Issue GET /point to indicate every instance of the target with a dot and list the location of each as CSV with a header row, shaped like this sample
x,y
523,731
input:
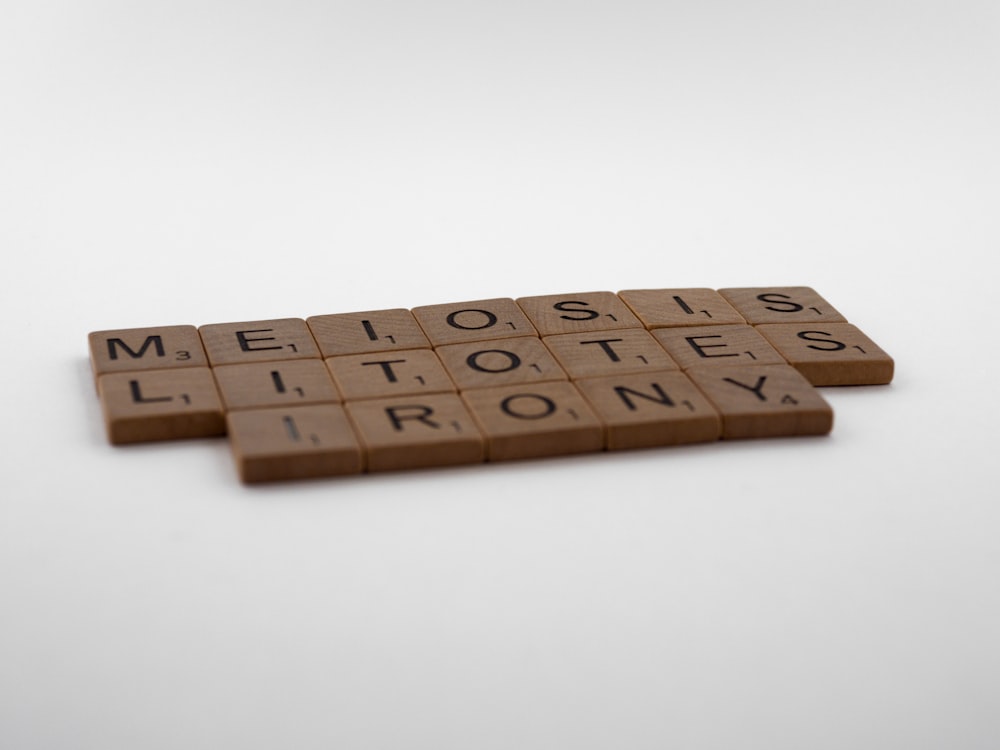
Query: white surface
x,y
199,162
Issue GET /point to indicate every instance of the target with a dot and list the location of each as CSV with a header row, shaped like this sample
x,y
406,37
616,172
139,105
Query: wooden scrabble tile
x,y
717,345
577,313
389,374
479,320
669,308
284,383
160,405
781,304
491,379
595,353
831,353
415,432
499,362
258,341
534,420
763,400
131,349
293,443
649,409
366,332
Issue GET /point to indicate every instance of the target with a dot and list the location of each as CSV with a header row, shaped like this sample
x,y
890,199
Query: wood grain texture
x,y
389,374
490,379
781,304
296,442
500,362
258,341
534,420
595,353
717,345
476,320
366,332
273,384
416,432
158,348
650,409
670,308
831,353
154,405
580,312
758,401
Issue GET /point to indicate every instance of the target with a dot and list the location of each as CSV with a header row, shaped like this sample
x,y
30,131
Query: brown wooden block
x,y
590,354
258,341
534,420
160,405
365,332
764,401
651,409
670,308
415,432
831,353
389,374
781,304
577,313
717,345
499,362
478,320
132,349
293,442
265,384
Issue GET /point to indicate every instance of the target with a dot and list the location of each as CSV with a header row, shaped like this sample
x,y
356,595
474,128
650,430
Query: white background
x,y
211,161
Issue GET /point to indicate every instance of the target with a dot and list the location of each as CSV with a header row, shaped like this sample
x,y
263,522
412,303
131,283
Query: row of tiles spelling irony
x,y
616,412
793,324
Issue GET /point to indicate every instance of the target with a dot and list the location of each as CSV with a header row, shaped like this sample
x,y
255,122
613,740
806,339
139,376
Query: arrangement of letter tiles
x,y
487,380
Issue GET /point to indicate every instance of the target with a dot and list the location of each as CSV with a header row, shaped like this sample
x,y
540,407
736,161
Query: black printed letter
x,y
660,397
156,341
423,416
832,344
245,342
513,361
605,344
138,398
386,365
548,406
701,349
755,389
452,320
789,307
587,314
